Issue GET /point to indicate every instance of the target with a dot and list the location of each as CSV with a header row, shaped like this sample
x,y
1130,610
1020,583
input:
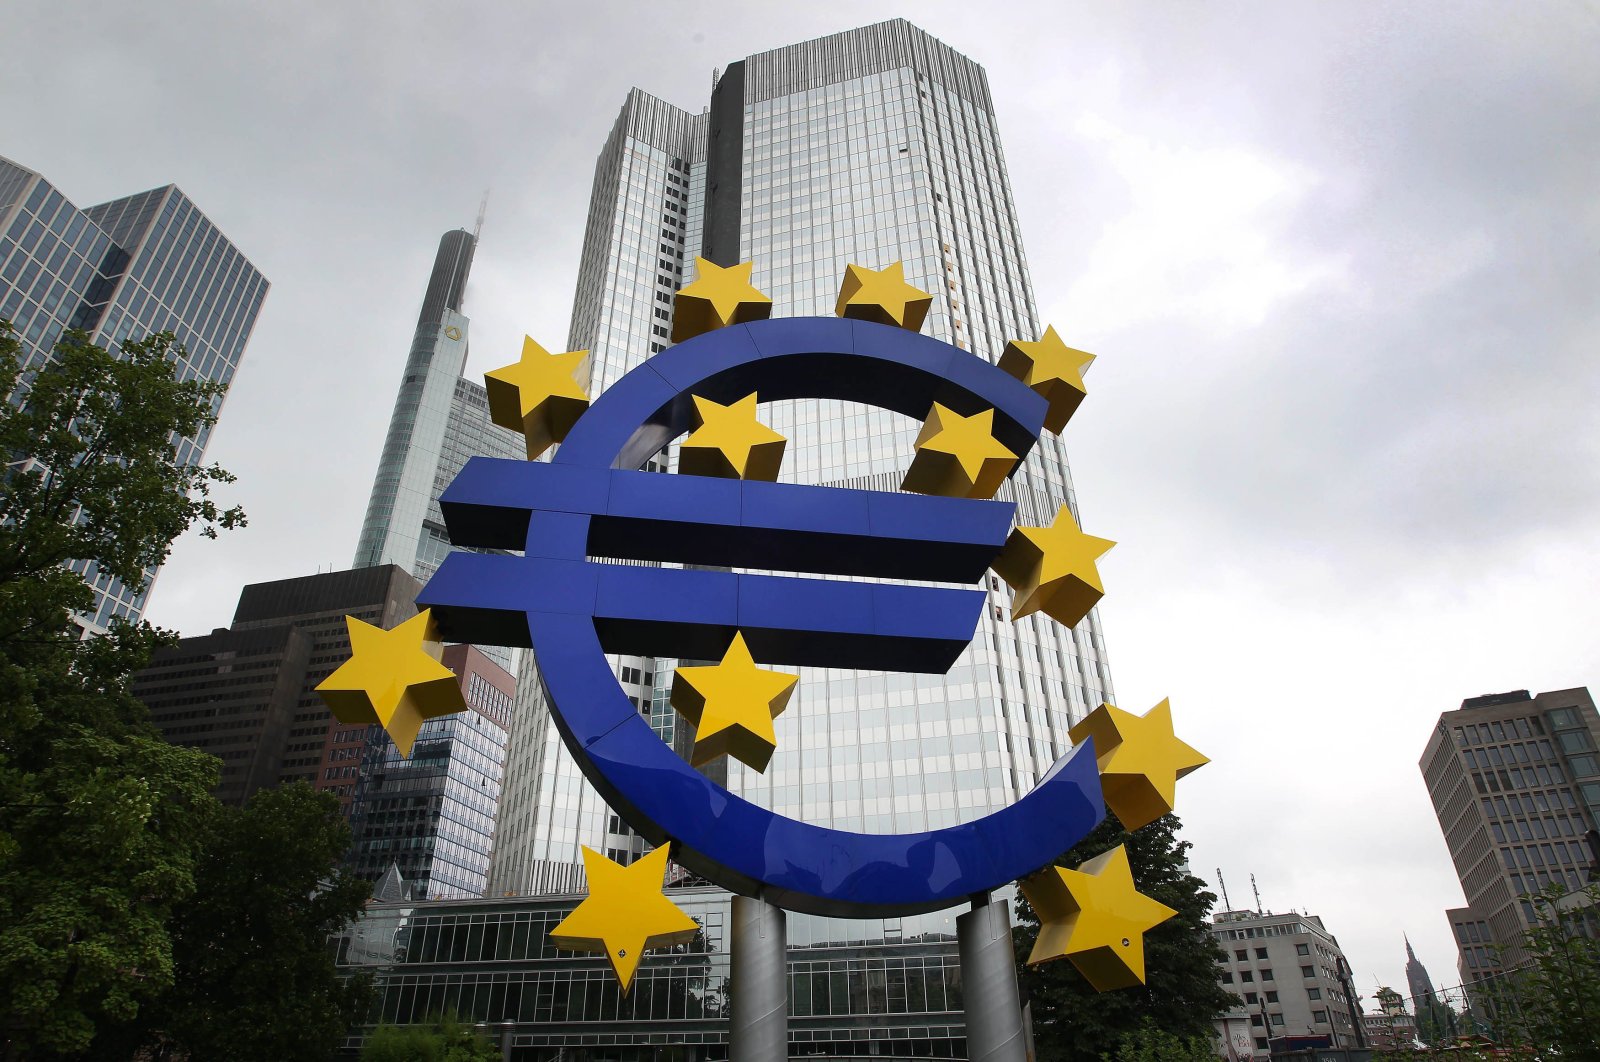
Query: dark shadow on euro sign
x,y
700,520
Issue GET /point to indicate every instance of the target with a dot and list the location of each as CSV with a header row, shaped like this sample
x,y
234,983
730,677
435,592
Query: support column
x,y
989,984
759,990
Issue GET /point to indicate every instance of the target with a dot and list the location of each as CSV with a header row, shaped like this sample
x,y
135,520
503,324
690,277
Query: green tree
x,y
1148,1044
254,980
1182,993
441,1040
99,818
1551,1004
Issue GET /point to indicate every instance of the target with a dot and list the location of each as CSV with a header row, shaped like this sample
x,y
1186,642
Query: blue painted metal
x,y
590,501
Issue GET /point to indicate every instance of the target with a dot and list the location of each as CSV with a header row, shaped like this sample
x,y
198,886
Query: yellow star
x,y
729,441
1054,370
1052,569
1140,760
393,678
882,295
1095,917
540,395
720,296
732,705
624,913
958,456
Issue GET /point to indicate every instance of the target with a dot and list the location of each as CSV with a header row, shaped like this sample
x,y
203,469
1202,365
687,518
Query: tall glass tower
x,y
440,419
150,262
434,812
874,146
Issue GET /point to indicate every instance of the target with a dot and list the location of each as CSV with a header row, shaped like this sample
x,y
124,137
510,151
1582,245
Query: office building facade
x,y
858,988
874,146
120,271
431,816
1291,977
1515,782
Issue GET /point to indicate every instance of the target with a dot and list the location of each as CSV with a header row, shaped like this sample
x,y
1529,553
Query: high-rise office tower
x,y
440,419
874,146
432,814
1515,781
150,262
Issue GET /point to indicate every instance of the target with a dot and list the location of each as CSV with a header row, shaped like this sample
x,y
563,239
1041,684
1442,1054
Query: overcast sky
x,y
1339,262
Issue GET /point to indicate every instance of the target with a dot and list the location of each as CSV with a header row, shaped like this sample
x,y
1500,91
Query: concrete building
x,y
1515,782
247,693
1291,977
120,271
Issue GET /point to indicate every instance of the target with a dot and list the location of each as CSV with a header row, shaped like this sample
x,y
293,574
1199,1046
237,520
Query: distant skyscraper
x,y
1418,981
439,420
150,262
1515,781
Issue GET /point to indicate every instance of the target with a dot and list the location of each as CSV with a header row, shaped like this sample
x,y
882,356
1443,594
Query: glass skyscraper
x,y
150,262
440,419
874,146
434,813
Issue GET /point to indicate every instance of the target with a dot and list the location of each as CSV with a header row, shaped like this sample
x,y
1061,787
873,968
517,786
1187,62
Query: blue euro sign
x,y
592,501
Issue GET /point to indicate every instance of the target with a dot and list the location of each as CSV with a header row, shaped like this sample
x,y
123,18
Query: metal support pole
x,y
758,1030
989,984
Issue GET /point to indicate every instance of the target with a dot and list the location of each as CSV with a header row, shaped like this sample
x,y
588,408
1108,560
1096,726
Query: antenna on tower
x,y
1227,905
1257,892
483,208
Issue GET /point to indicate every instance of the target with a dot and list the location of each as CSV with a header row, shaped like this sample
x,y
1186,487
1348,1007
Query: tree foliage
x,y
1181,995
93,473
254,980
98,816
1551,1004
441,1040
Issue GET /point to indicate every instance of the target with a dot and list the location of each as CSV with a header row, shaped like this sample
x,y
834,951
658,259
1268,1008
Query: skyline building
x,y
121,270
430,817
246,693
873,146
1515,783
440,419
1418,981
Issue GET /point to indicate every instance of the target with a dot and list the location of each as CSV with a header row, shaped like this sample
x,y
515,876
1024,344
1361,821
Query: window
x,y
1241,955
1320,1017
1313,993
1227,978
1261,1043
1250,998
1306,971
1261,953
1302,949
1255,1019
1277,1019
1246,976
1272,997
1266,973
